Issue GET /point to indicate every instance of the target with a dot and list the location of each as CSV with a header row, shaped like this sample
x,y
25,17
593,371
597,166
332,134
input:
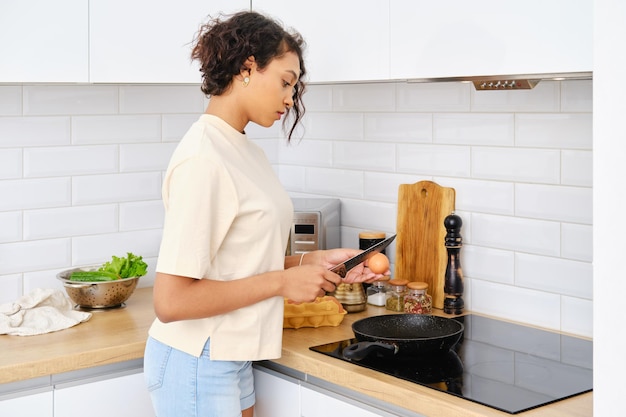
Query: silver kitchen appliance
x,y
316,225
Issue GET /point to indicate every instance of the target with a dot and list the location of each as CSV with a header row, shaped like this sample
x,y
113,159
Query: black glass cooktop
x,y
506,366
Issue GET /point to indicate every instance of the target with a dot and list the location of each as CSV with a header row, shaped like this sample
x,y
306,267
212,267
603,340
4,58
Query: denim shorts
x,y
182,385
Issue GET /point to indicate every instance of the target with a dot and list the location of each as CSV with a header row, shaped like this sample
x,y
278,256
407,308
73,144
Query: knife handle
x,y
340,270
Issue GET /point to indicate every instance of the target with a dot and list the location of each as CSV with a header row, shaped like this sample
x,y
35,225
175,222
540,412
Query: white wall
x,y
609,201
81,169
81,175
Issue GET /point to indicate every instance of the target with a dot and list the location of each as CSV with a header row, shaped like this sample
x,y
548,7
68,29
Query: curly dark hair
x,y
224,43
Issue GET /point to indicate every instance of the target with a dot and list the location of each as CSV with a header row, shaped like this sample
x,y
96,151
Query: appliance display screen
x,y
304,229
503,365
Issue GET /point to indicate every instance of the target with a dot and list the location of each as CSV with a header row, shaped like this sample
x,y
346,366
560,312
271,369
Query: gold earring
x,y
246,81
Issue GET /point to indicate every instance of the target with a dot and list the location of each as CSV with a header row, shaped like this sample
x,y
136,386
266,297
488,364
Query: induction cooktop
x,y
503,365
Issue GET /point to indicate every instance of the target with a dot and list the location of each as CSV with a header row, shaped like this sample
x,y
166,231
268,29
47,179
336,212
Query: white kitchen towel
x,y
41,311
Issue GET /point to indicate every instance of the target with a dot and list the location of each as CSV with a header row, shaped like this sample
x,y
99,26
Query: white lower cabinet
x,y
31,405
276,396
124,395
317,404
279,395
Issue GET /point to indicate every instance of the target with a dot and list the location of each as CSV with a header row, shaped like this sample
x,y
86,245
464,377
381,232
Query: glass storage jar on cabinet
x,y
417,300
377,292
395,295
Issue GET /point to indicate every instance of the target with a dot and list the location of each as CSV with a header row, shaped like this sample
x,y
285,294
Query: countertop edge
x,y
57,365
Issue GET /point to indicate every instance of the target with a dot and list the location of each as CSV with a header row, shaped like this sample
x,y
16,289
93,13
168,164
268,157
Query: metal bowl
x,y
97,295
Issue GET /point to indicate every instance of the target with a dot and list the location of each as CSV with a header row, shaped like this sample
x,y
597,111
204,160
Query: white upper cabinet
x,y
148,41
347,40
44,41
433,39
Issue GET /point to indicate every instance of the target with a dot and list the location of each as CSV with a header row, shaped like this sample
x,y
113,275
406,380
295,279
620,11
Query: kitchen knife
x,y
343,268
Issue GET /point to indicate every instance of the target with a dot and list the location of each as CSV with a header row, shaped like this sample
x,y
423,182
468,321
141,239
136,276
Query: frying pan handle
x,y
361,350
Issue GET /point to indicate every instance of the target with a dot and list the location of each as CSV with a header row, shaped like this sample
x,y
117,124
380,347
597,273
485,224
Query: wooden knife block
x,y
420,251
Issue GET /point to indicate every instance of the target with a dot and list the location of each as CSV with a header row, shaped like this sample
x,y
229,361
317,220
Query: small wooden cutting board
x,y
420,251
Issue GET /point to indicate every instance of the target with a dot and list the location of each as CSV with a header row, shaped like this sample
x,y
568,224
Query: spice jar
x,y
417,300
370,238
395,295
377,292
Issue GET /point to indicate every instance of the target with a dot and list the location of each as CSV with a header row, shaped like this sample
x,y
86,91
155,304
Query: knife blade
x,y
343,268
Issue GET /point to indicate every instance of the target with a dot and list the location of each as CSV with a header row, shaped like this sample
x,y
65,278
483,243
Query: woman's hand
x,y
331,257
305,283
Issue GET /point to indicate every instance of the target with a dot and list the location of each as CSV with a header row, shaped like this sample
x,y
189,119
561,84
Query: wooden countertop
x,y
120,335
110,336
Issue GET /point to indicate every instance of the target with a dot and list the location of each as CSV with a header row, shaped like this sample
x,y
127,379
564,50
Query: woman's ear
x,y
248,65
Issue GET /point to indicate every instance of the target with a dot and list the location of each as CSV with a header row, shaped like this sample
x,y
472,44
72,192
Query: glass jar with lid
x,y
377,292
417,300
395,295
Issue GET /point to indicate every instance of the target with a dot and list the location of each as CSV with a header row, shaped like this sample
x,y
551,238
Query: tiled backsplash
x,y
81,169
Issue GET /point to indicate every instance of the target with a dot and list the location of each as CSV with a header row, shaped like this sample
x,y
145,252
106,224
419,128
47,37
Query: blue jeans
x,y
182,385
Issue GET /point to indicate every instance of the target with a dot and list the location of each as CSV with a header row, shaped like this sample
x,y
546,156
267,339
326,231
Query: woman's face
x,y
270,91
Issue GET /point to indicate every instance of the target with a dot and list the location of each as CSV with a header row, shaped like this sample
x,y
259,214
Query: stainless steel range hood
x,y
509,82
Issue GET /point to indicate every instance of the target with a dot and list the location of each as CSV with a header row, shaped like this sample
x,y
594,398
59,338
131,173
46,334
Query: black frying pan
x,y
405,334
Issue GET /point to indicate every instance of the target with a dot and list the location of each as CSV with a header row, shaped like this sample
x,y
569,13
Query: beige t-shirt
x,y
227,217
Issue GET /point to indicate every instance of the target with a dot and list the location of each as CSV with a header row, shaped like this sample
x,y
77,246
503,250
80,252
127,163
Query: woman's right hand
x,y
305,283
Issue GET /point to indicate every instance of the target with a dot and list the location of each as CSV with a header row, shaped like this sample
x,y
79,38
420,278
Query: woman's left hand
x,y
331,257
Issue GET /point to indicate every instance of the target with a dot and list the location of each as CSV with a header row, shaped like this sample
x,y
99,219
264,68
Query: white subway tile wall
x,y
81,168
520,162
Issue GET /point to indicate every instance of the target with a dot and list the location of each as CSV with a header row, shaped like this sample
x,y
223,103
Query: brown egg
x,y
378,264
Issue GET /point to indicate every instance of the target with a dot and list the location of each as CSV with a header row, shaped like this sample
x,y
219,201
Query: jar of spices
x,y
417,300
395,295
370,238
377,292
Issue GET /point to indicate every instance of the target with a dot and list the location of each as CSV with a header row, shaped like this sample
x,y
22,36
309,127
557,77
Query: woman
x,y
222,272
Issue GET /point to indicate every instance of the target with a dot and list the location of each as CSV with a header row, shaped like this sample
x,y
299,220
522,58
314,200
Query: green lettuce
x,y
130,266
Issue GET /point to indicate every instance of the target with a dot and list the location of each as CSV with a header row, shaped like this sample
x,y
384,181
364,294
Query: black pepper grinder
x,y
453,285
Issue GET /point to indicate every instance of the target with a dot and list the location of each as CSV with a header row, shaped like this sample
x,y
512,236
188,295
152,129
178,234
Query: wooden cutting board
x,y
420,251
